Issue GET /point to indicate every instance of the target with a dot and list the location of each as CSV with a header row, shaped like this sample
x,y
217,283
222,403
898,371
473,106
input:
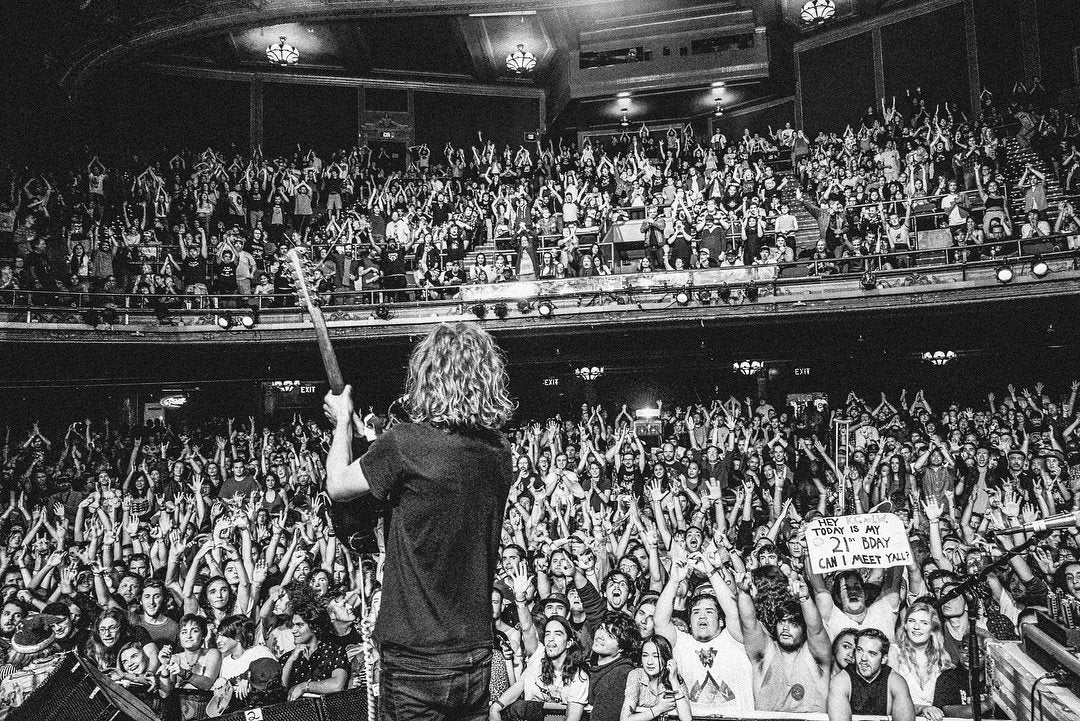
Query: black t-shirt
x,y
447,493
194,270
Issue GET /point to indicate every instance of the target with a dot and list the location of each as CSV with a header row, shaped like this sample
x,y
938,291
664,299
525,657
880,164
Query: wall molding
x,y
859,27
341,81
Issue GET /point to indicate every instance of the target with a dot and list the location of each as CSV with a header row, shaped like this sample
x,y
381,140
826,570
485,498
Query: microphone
x,y
1054,523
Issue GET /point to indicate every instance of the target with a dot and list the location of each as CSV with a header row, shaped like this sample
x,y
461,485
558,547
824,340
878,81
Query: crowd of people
x,y
196,562
219,222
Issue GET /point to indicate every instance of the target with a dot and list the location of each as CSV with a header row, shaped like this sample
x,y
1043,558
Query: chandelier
x,y
815,12
281,53
939,357
587,373
521,60
748,367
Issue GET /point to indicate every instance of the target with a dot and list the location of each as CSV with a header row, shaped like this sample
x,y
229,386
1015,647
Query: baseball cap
x,y
264,673
556,598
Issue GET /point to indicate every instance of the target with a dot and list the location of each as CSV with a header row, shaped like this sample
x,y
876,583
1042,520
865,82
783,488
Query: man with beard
x,y
868,686
711,657
792,660
162,629
11,615
845,605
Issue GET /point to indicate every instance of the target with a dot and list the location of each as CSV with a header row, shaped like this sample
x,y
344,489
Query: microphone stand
x,y
976,681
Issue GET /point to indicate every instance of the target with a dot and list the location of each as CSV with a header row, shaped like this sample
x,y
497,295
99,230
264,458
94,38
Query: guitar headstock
x,y
305,277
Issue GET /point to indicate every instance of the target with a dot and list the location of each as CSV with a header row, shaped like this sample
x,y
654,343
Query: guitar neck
x,y
326,350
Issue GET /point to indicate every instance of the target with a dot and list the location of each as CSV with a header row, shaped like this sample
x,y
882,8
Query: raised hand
x,y
1011,505
932,509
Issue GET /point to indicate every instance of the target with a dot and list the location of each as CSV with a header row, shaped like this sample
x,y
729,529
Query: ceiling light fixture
x,y
816,12
281,53
939,357
520,61
748,367
589,373
625,120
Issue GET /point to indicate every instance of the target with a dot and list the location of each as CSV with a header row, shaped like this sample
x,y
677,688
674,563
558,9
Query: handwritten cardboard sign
x,y
868,540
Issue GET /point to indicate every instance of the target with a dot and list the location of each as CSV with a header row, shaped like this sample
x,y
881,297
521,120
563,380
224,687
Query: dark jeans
x,y
415,686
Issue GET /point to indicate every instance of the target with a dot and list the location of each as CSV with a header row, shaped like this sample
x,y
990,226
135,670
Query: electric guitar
x,y
353,521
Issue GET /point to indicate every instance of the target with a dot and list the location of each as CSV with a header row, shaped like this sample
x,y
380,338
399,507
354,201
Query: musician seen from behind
x,y
445,477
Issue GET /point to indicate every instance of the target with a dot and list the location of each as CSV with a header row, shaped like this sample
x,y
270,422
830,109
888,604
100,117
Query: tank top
x,y
798,686
869,697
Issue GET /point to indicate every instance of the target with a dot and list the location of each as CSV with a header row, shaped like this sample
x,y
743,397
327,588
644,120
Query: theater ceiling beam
x,y
148,33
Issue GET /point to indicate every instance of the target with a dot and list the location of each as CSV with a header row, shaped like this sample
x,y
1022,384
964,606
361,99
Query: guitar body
x,y
354,524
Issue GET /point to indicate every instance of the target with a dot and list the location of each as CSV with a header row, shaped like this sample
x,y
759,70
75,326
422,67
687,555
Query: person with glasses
x,y
110,633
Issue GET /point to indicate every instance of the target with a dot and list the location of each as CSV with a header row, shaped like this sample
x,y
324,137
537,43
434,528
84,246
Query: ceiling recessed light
x,y
718,84
623,94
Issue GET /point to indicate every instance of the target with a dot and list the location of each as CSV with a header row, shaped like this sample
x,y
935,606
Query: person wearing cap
x,y
34,640
69,635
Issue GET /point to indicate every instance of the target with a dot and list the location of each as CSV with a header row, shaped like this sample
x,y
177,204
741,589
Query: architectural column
x,y
972,47
879,65
1029,38
798,93
255,114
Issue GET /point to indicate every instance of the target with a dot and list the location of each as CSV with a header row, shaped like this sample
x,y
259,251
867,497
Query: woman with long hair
x,y
111,632
919,656
655,687
446,476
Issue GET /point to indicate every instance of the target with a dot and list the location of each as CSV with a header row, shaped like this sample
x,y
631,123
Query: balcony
x,y
721,297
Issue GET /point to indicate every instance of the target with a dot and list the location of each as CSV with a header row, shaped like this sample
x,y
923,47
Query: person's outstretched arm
x,y
344,476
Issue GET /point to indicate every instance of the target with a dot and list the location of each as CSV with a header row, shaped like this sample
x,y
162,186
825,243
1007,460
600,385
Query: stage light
x,y
224,321
868,281
382,311
682,297
249,319
725,293
647,413
479,310
752,291
524,306
1039,267
501,309
705,296
545,309
1005,273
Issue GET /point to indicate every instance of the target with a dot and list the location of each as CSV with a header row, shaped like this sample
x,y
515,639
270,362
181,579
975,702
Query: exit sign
x,y
387,135
551,381
802,371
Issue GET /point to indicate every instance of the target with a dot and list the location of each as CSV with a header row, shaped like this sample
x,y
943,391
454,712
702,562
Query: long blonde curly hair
x,y
457,378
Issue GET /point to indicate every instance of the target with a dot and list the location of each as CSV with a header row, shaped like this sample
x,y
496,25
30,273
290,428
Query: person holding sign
x,y
868,686
845,605
791,673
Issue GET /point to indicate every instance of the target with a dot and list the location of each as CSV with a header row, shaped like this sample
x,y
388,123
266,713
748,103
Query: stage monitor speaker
x,y
77,691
